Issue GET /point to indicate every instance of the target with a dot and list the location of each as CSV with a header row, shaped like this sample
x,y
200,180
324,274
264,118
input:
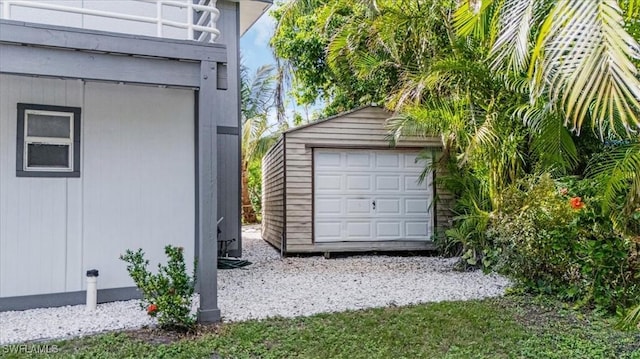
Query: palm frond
x,y
431,118
511,48
483,139
257,91
263,144
632,9
587,64
551,141
407,126
619,174
469,19
631,320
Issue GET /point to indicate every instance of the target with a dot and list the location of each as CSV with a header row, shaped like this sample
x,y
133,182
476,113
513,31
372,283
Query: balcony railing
x,y
194,19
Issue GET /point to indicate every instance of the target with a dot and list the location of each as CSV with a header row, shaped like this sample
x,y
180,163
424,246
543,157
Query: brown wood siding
x,y
273,192
444,202
363,128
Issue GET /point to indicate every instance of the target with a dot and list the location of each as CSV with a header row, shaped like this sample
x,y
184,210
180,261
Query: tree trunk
x,y
248,213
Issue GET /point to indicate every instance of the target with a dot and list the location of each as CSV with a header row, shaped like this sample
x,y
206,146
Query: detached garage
x,y
336,185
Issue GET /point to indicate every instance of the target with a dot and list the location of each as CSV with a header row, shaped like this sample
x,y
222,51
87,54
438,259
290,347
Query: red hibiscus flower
x,y
152,309
576,203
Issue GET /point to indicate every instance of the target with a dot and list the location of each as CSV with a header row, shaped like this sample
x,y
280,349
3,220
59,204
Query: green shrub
x,y
166,294
553,238
472,208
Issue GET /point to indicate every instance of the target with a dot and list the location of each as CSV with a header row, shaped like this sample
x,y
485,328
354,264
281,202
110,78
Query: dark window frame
x,y
21,171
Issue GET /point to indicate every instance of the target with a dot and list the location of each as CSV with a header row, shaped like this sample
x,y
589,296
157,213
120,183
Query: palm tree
x,y
580,53
257,99
445,88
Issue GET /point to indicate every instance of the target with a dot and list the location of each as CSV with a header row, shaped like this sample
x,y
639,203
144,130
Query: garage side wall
x,y
364,128
444,199
273,195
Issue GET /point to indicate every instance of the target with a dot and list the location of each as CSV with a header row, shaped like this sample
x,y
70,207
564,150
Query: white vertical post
x,y
212,21
6,9
189,20
159,18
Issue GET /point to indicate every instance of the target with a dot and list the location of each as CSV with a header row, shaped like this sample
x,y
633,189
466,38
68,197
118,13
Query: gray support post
x,y
208,195
229,133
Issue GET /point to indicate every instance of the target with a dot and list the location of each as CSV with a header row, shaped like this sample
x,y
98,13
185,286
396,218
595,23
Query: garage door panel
x,y
348,183
416,229
328,183
358,230
328,230
411,183
389,206
416,206
387,183
327,159
411,161
388,230
358,160
331,206
359,206
358,183
387,160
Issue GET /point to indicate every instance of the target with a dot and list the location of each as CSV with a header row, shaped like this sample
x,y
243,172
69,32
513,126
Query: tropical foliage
x,y
167,294
509,86
257,99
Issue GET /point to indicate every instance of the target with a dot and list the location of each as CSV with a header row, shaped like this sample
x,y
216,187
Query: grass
x,y
510,327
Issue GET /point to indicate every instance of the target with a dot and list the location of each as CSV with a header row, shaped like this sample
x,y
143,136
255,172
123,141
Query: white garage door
x,y
366,195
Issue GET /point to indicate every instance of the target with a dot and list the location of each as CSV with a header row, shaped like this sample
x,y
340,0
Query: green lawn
x,y
511,327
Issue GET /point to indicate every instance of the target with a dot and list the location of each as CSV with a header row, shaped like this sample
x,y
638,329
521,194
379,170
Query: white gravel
x,y
273,286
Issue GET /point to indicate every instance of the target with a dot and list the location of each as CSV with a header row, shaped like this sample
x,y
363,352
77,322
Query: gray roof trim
x,y
333,117
20,32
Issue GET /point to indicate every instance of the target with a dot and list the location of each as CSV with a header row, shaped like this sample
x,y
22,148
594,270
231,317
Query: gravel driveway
x,y
273,286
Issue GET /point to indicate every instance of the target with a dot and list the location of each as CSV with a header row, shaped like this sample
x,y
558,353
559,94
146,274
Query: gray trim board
x,y
228,130
238,251
108,42
38,61
68,298
196,149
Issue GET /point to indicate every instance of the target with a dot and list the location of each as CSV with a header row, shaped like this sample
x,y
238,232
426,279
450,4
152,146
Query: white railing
x,y
200,21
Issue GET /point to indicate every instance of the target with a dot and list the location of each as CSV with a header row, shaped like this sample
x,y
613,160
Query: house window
x,y
48,141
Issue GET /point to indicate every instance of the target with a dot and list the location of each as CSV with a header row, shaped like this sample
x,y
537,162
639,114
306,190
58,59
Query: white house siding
x,y
139,175
136,187
35,241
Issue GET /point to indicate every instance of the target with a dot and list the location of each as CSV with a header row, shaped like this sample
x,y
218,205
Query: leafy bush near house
x,y
255,186
472,210
554,238
166,294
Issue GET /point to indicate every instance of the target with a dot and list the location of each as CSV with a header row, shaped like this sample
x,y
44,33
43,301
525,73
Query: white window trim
x,y
48,141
